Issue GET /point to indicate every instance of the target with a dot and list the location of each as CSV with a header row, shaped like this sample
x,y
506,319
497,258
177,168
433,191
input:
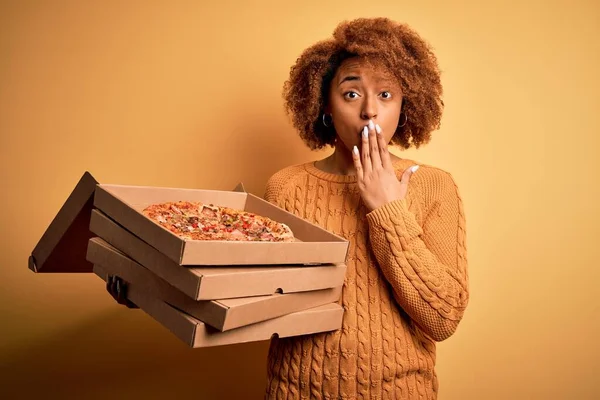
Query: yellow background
x,y
188,94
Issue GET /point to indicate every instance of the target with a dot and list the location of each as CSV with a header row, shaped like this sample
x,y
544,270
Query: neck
x,y
339,162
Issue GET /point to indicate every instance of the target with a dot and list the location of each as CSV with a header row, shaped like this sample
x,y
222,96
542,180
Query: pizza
x,y
199,221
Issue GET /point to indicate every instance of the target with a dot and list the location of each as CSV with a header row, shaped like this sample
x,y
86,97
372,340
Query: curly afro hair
x,y
395,46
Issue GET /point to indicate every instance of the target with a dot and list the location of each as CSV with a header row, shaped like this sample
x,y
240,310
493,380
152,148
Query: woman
x,y
374,83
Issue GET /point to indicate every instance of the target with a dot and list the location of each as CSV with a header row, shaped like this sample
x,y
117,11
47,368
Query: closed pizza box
x,y
222,314
222,282
62,246
314,245
196,334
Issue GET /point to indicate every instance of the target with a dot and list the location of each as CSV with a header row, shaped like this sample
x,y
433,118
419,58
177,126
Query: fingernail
x,y
378,128
366,132
414,168
371,126
355,150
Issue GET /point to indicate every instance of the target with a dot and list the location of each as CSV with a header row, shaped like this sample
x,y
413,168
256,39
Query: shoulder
x,y
433,184
282,179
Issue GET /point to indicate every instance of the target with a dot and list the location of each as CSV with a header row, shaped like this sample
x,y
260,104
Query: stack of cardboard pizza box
x,y
207,293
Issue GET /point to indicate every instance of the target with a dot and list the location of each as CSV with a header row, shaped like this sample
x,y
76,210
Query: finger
x,y
406,175
112,290
122,291
118,291
357,163
374,147
366,157
384,154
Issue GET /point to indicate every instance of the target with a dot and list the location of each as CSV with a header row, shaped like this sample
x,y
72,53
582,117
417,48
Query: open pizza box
x,y
313,245
62,247
195,333
223,314
209,283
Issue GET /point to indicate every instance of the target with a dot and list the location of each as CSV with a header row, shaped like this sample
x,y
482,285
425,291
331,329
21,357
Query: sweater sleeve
x,y
271,191
274,187
425,265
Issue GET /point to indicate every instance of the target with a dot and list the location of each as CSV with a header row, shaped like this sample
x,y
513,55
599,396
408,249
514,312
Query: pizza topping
x,y
198,221
177,210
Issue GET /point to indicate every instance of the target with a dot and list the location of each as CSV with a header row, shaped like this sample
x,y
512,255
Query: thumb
x,y
408,173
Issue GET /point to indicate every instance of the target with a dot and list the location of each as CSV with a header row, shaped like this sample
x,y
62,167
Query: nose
x,y
369,108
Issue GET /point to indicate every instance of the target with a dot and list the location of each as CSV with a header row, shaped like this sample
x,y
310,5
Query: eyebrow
x,y
350,78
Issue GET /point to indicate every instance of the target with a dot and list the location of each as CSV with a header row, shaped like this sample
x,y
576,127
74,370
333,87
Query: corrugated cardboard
x,y
124,204
197,334
63,245
210,283
223,314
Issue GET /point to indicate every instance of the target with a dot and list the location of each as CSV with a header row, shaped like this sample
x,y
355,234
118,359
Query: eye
x,y
350,95
386,95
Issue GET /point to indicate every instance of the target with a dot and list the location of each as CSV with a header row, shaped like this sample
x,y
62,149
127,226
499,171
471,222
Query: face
x,y
360,92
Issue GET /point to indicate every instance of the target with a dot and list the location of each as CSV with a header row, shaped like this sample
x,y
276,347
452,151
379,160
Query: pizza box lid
x,y
62,246
195,333
211,283
314,245
224,314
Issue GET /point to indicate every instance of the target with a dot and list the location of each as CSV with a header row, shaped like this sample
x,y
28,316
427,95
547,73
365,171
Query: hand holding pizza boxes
x,y
206,292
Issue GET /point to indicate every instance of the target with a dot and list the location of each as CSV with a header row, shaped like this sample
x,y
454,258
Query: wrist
x,y
386,210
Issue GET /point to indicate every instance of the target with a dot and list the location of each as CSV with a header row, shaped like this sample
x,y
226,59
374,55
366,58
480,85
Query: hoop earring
x,y
405,120
325,123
